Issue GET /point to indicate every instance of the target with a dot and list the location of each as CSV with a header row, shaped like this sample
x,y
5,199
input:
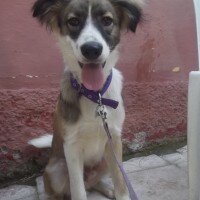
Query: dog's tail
x,y
44,141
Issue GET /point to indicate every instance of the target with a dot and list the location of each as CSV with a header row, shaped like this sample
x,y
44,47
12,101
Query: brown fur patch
x,y
129,13
68,103
70,111
47,12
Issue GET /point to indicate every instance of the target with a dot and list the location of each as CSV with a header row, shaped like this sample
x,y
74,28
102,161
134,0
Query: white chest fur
x,y
88,132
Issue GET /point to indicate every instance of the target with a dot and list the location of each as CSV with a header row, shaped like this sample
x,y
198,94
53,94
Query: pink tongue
x,y
92,76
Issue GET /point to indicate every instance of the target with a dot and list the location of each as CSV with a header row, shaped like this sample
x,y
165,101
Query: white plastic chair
x,y
194,121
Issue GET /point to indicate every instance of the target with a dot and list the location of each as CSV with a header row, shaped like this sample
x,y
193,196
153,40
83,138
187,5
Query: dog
x,y
88,33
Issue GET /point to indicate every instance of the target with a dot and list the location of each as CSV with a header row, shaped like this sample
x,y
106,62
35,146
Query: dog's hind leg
x,y
56,180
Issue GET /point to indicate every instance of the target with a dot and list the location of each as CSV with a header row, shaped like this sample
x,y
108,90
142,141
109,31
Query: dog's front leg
x,y
120,189
75,168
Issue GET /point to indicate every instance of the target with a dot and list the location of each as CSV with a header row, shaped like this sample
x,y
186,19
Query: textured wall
x,y
155,63
24,114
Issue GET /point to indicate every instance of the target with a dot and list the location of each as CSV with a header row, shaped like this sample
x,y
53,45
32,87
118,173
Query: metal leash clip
x,y
100,110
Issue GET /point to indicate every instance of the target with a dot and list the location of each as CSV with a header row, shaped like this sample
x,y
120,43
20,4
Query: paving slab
x,y
182,150
153,178
143,163
160,183
164,183
18,192
96,196
91,195
29,198
177,159
132,165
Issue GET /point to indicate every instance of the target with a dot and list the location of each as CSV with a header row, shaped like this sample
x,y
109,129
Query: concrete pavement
x,y
153,178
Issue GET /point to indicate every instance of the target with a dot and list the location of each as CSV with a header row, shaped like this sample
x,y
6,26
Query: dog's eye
x,y
107,21
74,21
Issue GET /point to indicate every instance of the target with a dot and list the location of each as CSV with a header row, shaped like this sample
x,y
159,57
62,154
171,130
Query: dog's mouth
x,y
92,75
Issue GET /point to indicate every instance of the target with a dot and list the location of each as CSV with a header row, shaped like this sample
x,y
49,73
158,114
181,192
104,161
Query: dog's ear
x,y
46,11
130,12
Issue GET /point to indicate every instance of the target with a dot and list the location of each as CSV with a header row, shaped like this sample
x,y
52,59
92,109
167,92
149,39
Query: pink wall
x,y
155,63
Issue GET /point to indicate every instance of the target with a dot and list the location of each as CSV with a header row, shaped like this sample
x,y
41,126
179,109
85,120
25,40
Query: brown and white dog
x,y
88,32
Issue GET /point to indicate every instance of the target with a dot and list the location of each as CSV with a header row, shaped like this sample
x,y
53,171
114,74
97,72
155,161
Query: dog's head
x,y
89,32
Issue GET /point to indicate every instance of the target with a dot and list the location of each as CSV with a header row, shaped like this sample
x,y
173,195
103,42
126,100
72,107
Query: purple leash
x,y
102,114
132,194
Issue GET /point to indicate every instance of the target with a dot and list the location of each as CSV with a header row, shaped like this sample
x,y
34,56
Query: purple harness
x,y
97,98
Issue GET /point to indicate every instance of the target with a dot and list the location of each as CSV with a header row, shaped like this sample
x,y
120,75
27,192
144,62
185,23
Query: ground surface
x,y
153,178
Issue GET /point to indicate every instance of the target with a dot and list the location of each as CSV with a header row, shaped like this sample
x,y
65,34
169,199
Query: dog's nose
x,y
91,50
